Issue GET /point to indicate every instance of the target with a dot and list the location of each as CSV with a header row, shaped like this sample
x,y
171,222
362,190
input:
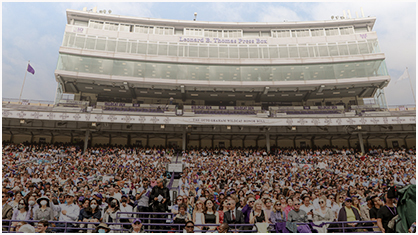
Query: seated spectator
x,y
211,215
297,215
45,212
102,228
258,215
21,212
289,206
277,215
137,226
223,228
7,210
110,213
307,207
323,214
26,228
42,227
175,207
189,227
349,213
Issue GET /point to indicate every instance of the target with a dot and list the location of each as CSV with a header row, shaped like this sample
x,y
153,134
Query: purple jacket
x,y
246,211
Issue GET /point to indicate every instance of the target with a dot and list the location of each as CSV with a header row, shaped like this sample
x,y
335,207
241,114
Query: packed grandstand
x,y
267,187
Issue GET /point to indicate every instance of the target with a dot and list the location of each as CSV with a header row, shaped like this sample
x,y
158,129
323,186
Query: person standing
x,y
365,212
160,198
385,214
7,211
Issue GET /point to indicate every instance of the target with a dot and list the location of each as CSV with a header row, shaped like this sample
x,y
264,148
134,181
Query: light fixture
x,y
358,127
228,127
22,121
293,128
93,124
162,126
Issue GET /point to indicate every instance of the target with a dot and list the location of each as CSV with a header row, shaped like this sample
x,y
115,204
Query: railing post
x,y
8,230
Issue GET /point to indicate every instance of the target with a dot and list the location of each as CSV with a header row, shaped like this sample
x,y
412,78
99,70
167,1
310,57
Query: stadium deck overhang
x,y
286,91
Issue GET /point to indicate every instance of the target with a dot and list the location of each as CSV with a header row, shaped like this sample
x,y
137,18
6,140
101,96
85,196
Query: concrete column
x,y
110,139
31,137
404,140
183,143
200,141
11,137
72,137
268,141
52,138
148,141
166,140
128,141
360,139
86,140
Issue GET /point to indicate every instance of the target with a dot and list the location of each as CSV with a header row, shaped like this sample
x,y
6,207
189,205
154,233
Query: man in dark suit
x,y
233,215
7,212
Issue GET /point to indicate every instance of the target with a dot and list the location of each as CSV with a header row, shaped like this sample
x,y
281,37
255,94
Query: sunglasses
x,y
251,201
189,226
331,198
321,202
278,204
297,204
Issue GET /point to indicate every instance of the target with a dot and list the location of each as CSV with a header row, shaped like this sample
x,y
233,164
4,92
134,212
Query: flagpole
x,y
20,96
412,89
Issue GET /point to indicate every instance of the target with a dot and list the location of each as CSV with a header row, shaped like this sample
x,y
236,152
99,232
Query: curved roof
x,y
84,15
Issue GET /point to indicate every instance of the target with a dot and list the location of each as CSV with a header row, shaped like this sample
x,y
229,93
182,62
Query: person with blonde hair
x,y
198,215
323,214
258,215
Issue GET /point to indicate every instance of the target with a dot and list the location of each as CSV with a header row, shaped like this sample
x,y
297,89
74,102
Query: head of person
x,y
268,203
251,201
231,204
258,205
85,203
145,182
282,200
277,206
160,183
290,202
23,205
209,205
124,199
137,225
199,205
102,228
69,198
306,200
296,205
189,227
26,228
322,201
223,228
94,203
331,197
5,197
179,200
182,209
42,201
114,203
242,201
348,202
42,226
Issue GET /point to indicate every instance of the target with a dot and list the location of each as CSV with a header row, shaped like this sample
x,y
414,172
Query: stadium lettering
x,y
201,40
227,40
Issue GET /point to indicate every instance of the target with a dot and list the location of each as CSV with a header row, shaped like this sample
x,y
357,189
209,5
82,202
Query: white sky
x,y
34,31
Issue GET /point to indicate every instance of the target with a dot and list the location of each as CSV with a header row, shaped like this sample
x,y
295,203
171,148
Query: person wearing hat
x,y
364,212
102,228
349,213
137,226
44,212
68,212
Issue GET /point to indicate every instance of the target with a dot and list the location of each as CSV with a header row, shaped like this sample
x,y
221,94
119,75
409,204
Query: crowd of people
x,y
223,187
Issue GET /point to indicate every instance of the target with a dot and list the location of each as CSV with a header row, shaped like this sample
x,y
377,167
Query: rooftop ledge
x,y
231,25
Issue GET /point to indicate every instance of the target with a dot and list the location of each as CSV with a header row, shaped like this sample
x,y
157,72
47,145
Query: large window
x,y
221,51
142,69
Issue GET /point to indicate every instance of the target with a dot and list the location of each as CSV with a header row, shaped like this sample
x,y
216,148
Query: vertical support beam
x,y
367,141
360,139
128,141
348,140
404,140
31,137
243,141
356,100
256,141
52,138
91,138
110,138
166,140
330,141
268,141
230,141
386,141
312,141
11,137
294,142
277,142
72,137
200,142
148,141
86,140
183,143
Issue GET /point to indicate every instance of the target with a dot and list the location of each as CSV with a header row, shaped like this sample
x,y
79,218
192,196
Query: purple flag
x,y
30,69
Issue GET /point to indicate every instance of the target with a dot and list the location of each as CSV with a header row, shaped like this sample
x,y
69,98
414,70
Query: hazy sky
x,y
34,31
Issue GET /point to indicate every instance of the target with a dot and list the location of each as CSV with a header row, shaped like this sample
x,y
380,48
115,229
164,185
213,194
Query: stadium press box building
x,y
196,83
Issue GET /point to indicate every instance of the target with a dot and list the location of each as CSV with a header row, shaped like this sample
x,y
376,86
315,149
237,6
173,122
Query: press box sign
x,y
224,41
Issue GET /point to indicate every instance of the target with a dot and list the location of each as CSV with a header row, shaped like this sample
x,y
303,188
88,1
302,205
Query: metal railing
x,y
64,226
